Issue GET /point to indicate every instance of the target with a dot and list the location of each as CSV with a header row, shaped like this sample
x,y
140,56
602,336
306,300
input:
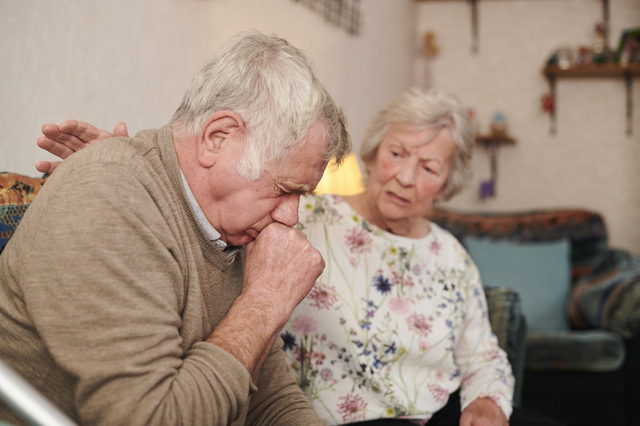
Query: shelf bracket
x,y
628,82
552,113
474,27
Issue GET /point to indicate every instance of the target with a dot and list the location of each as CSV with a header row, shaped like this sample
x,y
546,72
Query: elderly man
x,y
126,296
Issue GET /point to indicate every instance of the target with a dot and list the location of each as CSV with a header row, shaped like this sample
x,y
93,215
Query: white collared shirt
x,y
208,229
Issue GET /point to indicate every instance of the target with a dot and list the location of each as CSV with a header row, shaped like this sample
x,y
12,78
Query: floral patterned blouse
x,y
393,325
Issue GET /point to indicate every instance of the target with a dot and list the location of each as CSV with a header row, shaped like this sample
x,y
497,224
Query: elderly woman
x,y
398,320
397,323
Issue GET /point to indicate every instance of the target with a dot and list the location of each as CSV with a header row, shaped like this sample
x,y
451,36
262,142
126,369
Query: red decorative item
x,y
548,103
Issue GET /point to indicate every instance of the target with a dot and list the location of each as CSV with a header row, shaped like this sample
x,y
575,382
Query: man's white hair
x,y
277,91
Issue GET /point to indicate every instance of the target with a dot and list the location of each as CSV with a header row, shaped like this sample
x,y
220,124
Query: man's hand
x,y
71,136
280,270
483,412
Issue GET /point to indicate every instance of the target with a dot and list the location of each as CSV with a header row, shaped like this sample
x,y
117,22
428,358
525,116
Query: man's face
x,y
244,208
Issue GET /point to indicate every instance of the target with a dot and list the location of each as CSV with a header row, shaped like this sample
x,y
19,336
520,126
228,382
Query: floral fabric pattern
x,y
394,325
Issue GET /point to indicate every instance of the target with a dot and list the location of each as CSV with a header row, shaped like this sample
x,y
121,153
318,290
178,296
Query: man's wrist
x,y
247,332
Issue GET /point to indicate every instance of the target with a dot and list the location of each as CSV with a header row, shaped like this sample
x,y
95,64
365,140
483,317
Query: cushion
x,y
609,296
16,194
538,271
585,230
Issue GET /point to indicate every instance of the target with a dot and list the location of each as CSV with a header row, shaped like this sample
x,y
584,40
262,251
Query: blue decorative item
x,y
487,189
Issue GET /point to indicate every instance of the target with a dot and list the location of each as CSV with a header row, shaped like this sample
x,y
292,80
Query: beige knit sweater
x,y
108,289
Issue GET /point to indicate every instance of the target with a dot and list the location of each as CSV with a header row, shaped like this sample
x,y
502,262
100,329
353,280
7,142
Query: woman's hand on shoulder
x,y
71,136
483,412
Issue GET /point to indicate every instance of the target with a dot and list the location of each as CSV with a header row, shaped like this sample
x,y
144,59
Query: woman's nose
x,y
406,174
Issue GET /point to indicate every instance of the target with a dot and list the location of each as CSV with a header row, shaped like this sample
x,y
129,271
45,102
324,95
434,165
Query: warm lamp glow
x,y
343,180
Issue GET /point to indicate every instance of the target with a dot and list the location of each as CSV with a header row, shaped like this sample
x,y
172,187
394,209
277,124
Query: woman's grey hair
x,y
434,109
277,91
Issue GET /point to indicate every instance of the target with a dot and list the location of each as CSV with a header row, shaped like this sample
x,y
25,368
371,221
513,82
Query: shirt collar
x,y
208,229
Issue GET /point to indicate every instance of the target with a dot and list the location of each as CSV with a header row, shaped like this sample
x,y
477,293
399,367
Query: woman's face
x,y
407,174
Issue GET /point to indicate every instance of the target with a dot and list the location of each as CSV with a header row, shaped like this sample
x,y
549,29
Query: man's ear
x,y
220,129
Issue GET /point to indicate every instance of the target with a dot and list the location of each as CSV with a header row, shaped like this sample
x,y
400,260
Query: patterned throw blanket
x,y
16,194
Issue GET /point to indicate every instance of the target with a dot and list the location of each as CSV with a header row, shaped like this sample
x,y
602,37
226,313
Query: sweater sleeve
x,y
105,288
484,367
279,401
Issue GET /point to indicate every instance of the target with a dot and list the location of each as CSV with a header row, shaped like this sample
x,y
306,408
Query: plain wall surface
x,y
131,60
591,162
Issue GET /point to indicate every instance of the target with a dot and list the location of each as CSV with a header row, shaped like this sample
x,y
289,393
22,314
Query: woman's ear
x,y
369,165
220,129
370,159
440,196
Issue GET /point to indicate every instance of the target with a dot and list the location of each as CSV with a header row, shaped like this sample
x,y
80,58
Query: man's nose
x,y
287,211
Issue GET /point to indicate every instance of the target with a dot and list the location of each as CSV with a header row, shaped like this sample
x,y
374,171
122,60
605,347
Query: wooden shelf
x,y
627,72
595,70
495,139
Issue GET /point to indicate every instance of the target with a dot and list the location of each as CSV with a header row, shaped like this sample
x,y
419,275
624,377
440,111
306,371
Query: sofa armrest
x,y
509,325
570,350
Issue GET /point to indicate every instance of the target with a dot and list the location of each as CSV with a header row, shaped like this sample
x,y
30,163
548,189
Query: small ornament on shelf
x,y
487,189
628,51
585,56
562,57
430,48
499,124
548,103
601,51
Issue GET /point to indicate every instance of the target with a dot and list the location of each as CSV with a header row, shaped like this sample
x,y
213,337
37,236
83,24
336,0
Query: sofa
x,y
504,306
581,300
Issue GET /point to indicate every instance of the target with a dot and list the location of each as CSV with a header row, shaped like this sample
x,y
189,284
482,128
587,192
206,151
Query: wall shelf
x,y
627,72
495,139
554,72
492,142
596,70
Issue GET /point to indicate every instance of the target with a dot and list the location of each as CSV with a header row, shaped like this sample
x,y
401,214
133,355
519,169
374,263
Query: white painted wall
x,y
107,61
131,60
591,162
